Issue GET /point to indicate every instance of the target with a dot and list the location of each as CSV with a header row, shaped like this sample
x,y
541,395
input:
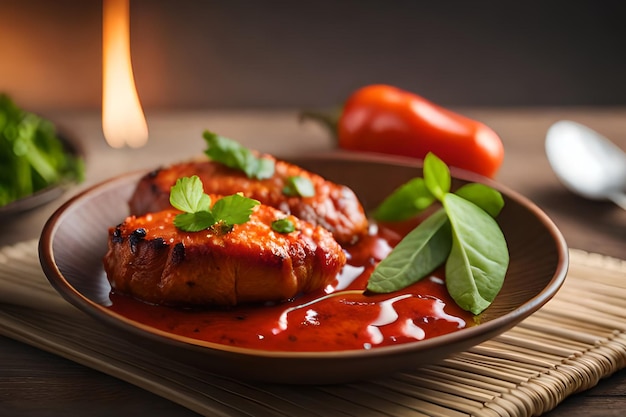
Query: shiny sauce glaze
x,y
341,317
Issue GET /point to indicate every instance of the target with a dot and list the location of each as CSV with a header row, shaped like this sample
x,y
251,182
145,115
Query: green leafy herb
x,y
436,176
479,258
194,222
421,251
405,202
483,196
463,235
234,209
283,226
234,155
298,186
32,156
188,196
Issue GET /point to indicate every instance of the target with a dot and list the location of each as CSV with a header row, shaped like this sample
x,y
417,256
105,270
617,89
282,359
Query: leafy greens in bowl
x,y
36,162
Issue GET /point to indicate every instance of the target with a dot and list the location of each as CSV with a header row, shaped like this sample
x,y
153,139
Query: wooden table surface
x,y
37,383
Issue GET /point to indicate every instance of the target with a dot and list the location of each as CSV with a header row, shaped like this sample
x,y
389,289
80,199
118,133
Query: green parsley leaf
x,y
234,155
234,209
188,196
283,226
297,186
194,222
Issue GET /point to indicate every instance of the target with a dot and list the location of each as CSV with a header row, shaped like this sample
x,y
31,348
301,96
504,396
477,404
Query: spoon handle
x,y
619,199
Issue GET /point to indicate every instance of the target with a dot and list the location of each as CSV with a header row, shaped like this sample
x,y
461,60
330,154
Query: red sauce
x,y
342,317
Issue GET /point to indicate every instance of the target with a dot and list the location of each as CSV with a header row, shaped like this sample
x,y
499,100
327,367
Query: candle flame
x,y
123,121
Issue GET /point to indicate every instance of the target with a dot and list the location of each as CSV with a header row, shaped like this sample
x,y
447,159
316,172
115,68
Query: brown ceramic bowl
x,y
74,241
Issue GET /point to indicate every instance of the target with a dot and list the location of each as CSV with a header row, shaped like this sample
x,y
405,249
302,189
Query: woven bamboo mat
x,y
575,340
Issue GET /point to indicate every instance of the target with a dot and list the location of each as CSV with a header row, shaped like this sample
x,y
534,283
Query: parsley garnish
x,y
234,155
188,196
283,226
298,186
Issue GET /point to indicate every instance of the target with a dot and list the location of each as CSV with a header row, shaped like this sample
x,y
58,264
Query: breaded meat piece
x,y
152,260
334,207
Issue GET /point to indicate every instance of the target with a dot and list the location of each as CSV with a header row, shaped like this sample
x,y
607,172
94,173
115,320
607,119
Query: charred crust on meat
x,y
117,234
135,237
335,207
154,188
154,173
159,264
158,243
178,254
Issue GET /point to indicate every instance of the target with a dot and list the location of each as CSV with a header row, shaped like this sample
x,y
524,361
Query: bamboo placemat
x,y
575,340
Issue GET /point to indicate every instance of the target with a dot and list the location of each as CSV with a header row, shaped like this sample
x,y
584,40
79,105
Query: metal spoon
x,y
586,162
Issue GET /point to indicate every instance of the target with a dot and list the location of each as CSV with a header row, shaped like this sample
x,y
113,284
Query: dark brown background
x,y
281,53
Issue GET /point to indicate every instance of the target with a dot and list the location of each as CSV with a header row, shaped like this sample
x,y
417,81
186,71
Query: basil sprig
x,y
463,235
408,200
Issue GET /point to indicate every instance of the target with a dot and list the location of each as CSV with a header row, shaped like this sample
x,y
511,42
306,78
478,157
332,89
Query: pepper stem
x,y
329,118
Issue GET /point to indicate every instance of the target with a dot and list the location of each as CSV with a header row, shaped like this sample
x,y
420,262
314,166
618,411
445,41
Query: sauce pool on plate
x,y
341,317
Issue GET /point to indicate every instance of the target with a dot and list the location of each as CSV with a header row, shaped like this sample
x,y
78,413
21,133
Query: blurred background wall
x,y
281,53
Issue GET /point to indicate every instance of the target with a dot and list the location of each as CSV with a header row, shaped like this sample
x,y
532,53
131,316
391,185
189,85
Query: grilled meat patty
x,y
334,207
150,259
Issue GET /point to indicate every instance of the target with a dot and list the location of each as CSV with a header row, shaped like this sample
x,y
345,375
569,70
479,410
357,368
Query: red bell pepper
x,y
386,119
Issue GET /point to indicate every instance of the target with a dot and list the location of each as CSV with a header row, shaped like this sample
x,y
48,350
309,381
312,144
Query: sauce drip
x,y
341,317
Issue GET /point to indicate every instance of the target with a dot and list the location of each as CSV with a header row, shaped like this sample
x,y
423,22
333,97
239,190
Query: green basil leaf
x,y
483,196
194,222
405,202
188,195
283,226
298,186
479,257
436,176
234,209
420,252
234,155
